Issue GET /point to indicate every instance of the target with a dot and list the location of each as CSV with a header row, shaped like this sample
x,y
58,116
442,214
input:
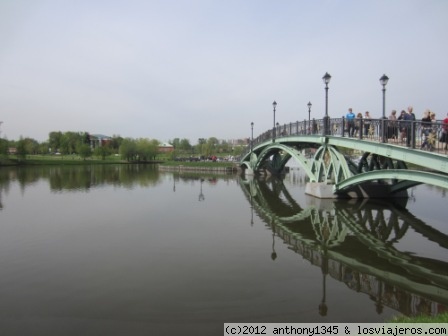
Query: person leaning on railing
x,y
392,131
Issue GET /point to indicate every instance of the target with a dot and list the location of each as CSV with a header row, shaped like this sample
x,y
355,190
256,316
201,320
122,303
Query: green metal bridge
x,y
378,163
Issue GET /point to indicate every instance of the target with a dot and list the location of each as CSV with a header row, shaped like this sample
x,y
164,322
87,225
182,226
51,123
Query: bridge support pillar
x,y
320,190
249,171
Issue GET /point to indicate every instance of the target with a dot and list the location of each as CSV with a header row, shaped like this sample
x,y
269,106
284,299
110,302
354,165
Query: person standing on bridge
x,y
392,132
409,119
401,126
358,124
367,124
350,122
426,123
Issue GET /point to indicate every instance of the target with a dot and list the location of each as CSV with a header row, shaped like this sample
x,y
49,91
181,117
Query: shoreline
x,y
186,168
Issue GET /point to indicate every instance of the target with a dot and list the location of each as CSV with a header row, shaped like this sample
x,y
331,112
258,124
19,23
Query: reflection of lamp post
x,y
323,308
273,254
383,80
174,184
274,104
252,136
309,116
326,78
251,211
201,195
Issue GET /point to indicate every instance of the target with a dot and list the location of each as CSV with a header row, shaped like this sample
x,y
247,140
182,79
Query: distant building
x,y
166,148
99,140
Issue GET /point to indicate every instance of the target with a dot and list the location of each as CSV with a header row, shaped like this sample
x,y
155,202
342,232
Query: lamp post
x,y
326,78
274,104
309,117
383,80
252,137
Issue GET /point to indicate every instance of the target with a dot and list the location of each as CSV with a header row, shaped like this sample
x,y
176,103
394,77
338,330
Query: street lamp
x,y
252,136
274,104
309,117
383,80
326,78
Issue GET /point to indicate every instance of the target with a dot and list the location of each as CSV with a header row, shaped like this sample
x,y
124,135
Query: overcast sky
x,y
165,69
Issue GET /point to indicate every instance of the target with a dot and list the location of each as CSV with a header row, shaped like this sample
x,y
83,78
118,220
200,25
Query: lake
x,y
129,249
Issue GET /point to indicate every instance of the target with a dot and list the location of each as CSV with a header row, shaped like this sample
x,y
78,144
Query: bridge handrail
x,y
424,135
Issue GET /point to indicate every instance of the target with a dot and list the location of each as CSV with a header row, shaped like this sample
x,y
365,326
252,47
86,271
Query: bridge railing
x,y
413,134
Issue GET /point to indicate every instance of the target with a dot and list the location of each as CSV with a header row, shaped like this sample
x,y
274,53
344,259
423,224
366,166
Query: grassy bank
x,y
77,160
199,164
31,160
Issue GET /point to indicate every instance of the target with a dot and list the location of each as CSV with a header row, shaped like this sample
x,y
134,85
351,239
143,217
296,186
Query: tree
x,y
175,143
200,146
115,143
102,151
84,151
147,149
54,140
128,149
3,147
225,147
43,147
21,149
185,145
210,147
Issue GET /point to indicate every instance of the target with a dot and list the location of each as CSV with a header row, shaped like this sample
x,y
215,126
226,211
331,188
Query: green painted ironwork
x,y
327,229
323,160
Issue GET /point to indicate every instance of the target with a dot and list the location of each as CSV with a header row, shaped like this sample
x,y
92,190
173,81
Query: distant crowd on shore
x,y
399,127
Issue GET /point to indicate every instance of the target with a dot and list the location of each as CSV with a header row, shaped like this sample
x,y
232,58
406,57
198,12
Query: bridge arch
x,y
279,162
407,178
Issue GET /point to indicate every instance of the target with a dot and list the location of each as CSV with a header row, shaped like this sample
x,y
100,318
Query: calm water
x,y
130,250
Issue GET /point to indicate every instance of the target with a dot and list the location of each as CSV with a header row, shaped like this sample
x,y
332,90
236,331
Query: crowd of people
x,y
399,127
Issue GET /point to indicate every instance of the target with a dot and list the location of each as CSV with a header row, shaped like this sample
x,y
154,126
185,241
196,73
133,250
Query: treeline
x,y
79,143
142,149
206,147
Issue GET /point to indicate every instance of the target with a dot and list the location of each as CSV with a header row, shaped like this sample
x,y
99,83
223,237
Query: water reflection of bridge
x,y
354,242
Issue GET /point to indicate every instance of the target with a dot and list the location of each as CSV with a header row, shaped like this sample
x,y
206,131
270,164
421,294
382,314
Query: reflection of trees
x,y
87,177
5,183
355,243
82,178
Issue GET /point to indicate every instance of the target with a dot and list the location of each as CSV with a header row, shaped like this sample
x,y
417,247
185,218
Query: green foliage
x,y
140,150
128,149
21,149
238,150
182,146
55,140
84,151
3,147
147,149
185,145
116,143
102,151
